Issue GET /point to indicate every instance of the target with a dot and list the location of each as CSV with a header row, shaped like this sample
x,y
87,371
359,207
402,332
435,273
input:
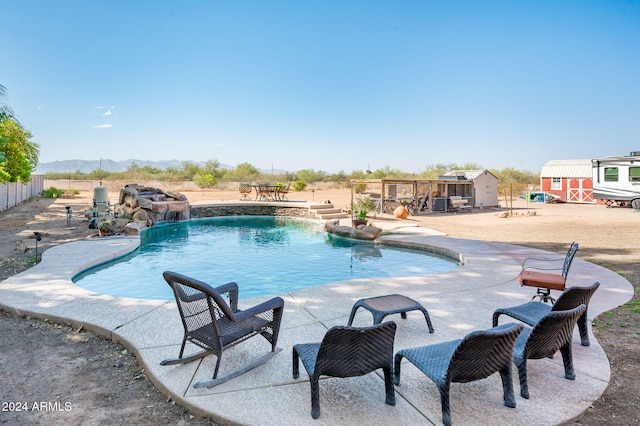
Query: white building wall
x,y
486,190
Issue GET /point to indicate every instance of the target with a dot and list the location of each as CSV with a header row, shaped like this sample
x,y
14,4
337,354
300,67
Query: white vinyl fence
x,y
14,193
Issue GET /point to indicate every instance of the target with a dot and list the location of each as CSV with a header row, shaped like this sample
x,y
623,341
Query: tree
x,y
19,153
212,167
242,172
309,175
5,111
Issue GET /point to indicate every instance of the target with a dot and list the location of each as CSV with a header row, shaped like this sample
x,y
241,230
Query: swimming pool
x,y
265,255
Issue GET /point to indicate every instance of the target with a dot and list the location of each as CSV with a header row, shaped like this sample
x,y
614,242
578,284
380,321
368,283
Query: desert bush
x,y
52,192
359,188
205,180
299,185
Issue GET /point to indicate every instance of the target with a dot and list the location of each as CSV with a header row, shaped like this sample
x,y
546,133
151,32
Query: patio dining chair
x,y
265,192
532,312
348,352
245,189
536,276
477,356
283,191
212,321
552,333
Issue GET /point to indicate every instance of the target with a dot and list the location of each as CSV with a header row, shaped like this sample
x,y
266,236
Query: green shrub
x,y
299,185
359,188
205,180
72,191
52,192
363,205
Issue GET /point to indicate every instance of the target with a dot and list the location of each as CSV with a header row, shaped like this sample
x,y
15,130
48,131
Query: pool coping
x,y
487,280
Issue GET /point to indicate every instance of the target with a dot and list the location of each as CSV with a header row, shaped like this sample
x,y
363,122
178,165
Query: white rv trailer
x,y
616,179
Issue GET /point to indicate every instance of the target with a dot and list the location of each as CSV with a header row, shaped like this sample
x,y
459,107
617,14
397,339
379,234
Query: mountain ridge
x,y
87,166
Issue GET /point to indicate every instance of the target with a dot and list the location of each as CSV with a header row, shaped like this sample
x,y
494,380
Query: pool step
x,y
327,212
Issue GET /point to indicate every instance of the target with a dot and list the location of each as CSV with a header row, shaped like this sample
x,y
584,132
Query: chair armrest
x,y
543,261
232,289
537,268
277,303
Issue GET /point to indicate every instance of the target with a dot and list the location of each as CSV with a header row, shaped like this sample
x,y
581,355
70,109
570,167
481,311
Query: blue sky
x,y
326,85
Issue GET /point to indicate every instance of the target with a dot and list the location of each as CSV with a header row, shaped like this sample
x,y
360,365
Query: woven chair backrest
x,y
575,296
355,351
568,259
552,332
482,353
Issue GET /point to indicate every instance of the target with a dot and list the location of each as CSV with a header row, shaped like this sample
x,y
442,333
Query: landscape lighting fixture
x,y
38,237
69,213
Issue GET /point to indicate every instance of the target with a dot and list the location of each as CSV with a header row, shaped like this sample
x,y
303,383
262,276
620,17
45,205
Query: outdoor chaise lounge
x,y
552,333
348,352
535,276
530,313
212,321
477,356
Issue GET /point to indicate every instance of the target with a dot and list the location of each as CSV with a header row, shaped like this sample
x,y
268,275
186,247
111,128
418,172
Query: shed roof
x,y
567,168
468,174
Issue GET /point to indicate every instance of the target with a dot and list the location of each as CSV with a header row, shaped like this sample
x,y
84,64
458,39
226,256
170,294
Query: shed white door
x,y
576,193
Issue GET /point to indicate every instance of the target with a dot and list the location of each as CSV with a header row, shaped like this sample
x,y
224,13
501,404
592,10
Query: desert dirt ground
x,y
45,362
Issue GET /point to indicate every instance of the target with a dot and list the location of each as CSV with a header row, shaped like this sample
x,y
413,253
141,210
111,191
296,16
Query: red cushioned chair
x,y
535,276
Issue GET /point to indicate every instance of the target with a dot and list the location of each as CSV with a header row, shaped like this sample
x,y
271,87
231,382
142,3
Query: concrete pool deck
x,y
458,302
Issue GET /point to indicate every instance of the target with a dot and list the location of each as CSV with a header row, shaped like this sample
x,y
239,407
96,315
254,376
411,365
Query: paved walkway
x,y
458,302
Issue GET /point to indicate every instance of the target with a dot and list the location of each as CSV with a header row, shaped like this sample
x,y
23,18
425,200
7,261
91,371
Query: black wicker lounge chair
x,y
530,313
552,333
477,356
212,321
348,352
534,276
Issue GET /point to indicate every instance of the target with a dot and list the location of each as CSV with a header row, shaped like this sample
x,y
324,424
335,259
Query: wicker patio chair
x,y
477,356
530,313
534,276
348,352
212,321
552,333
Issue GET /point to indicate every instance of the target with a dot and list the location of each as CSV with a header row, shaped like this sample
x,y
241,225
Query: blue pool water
x,y
264,255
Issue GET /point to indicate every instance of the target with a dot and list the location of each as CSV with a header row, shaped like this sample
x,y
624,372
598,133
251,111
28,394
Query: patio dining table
x,y
268,192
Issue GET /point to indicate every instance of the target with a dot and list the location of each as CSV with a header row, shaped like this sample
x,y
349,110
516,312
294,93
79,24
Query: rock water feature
x,y
140,207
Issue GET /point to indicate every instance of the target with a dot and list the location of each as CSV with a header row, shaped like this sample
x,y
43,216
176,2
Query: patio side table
x,y
381,306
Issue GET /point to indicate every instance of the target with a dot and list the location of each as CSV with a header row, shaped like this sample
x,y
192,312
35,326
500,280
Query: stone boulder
x,y
362,233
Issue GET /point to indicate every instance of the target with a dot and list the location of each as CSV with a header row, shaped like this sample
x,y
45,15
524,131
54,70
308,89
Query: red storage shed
x,y
571,180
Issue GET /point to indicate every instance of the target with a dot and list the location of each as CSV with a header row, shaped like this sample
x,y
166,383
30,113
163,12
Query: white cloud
x,y
99,107
108,112
102,126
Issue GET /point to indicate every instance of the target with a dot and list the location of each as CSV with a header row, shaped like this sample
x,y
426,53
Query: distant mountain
x,y
87,166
